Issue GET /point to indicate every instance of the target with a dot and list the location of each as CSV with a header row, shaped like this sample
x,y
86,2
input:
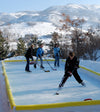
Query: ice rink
x,y
39,87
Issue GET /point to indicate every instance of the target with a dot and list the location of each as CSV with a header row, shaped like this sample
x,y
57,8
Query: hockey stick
x,y
44,69
32,62
49,64
61,85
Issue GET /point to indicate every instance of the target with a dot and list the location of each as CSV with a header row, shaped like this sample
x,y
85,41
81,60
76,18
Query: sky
x,y
10,6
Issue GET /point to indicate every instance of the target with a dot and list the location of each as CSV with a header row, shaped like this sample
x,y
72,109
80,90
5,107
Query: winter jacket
x,y
29,53
40,52
56,51
70,65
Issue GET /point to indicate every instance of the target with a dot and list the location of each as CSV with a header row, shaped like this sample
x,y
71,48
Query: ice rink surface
x,y
39,87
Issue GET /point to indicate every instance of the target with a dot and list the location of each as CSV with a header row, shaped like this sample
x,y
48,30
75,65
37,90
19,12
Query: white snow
x,y
4,104
47,20
13,45
38,87
93,65
40,29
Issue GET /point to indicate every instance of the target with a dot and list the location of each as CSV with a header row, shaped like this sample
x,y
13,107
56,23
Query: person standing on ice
x,y
39,54
56,55
28,55
71,66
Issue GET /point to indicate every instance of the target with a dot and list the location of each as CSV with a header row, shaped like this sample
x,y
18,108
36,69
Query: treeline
x,y
85,44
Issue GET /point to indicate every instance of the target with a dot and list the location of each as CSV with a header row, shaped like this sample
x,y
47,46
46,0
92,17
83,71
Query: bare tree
x,y
75,27
93,45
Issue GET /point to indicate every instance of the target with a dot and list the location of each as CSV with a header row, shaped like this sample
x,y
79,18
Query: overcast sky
x,y
38,5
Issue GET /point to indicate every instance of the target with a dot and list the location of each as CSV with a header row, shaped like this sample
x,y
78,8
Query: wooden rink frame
x,y
15,107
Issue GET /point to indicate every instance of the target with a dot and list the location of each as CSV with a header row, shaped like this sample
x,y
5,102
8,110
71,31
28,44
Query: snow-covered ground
x,y
4,104
93,65
38,87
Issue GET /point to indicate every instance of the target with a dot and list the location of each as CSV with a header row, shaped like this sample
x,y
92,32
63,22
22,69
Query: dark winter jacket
x,y
29,53
70,65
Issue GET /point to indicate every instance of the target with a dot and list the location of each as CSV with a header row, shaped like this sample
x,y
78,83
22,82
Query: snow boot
x,y
41,67
60,86
34,65
83,84
28,71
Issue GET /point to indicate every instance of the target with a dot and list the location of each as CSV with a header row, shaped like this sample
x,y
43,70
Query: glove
x,y
69,73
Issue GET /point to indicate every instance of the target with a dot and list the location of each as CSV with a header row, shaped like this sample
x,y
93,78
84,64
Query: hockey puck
x,y
56,93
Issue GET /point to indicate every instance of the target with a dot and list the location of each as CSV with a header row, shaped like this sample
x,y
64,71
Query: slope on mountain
x,y
91,12
46,21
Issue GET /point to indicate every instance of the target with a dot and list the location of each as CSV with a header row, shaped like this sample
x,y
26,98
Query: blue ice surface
x,y
39,87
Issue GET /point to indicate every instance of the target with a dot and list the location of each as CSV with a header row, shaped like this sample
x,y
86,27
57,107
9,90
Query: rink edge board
x,y
57,105
25,60
43,106
53,60
90,70
8,89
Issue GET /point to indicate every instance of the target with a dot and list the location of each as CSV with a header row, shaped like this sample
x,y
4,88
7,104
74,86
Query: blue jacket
x,y
40,52
56,51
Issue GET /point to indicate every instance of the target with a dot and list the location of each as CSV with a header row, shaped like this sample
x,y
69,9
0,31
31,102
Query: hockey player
x,y
71,66
56,55
28,55
39,54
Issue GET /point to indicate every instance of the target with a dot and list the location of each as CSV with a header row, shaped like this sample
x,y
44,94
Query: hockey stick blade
x,y
32,62
47,70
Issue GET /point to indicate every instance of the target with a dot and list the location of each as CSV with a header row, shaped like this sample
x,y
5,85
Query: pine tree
x,y
21,47
4,47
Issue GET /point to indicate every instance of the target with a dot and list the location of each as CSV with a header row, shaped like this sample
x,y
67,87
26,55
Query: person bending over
x,y
71,66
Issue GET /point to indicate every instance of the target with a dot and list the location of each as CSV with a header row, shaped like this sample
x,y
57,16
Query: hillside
x,y
46,21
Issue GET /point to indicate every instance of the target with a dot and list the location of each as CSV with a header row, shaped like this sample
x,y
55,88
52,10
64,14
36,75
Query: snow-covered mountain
x,y
46,21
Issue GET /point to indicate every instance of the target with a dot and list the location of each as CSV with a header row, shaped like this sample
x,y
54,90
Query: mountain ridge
x,y
72,10
27,21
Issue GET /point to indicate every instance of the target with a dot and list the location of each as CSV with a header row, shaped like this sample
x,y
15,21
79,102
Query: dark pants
x,y
66,76
27,64
77,77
